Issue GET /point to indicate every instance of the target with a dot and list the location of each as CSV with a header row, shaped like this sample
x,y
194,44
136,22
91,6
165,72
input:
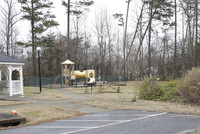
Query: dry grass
x,y
110,99
11,103
47,94
36,114
115,104
197,132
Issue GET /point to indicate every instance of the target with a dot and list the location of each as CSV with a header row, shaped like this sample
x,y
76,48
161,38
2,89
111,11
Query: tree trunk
x,y
196,36
33,42
164,58
68,22
183,43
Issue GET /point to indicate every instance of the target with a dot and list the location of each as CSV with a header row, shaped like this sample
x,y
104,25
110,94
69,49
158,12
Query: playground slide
x,y
79,74
92,80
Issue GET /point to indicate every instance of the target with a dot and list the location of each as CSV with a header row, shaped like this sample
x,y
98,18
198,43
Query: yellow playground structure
x,y
70,75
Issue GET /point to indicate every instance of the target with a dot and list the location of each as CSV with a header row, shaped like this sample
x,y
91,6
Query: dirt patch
x,y
47,94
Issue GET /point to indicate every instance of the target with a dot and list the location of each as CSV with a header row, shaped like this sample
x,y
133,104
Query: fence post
x,y
61,82
51,81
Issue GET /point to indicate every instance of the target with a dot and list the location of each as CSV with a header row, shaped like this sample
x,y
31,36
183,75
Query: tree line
x,y
151,37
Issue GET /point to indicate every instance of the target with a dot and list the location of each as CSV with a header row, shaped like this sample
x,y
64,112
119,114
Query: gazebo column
x,y
21,80
10,80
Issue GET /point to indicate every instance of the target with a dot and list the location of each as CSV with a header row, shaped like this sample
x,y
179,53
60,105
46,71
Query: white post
x,y
0,75
21,81
62,71
10,80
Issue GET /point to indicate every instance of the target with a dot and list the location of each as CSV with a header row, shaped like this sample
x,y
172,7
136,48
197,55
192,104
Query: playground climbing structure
x,y
70,75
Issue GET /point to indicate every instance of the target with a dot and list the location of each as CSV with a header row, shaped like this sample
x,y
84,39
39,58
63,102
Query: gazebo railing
x,y
3,87
16,86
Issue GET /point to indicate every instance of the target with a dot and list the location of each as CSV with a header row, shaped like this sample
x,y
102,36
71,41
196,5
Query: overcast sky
x,y
112,6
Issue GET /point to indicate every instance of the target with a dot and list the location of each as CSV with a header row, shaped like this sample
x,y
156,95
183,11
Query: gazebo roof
x,y
7,59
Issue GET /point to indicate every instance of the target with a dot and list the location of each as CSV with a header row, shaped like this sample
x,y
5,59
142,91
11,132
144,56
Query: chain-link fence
x,y
34,82
57,82
112,79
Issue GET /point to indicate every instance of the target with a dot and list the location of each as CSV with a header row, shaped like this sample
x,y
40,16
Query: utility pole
x,y
149,36
125,33
175,41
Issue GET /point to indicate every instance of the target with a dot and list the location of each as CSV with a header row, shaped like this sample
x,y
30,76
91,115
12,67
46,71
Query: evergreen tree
x,y
161,10
77,9
49,54
38,13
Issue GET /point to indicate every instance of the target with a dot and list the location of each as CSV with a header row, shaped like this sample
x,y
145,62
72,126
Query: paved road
x,y
116,122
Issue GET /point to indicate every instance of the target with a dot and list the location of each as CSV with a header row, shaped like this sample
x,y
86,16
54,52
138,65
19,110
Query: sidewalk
x,y
63,103
9,119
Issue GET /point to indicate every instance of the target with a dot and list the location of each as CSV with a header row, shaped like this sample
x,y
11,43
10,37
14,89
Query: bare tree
x,y
196,36
9,20
101,37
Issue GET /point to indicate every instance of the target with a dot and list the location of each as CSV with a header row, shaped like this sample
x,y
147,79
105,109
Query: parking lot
x,y
116,122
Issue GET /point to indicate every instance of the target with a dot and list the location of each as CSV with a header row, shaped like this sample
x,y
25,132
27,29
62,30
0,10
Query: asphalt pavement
x,y
116,122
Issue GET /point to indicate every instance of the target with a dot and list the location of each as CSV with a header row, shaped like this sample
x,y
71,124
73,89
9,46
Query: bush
x,y
170,91
153,91
150,90
189,89
186,90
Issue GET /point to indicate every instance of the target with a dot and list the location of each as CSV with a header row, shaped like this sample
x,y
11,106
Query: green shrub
x,y
150,90
170,91
153,91
186,89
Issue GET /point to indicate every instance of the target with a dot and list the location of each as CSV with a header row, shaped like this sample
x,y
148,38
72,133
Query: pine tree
x,y
160,10
77,9
38,13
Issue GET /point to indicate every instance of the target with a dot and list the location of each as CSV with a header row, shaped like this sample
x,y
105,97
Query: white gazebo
x,y
11,75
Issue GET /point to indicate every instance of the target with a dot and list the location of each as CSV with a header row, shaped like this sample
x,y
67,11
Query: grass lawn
x,y
41,113
10,103
47,94
110,99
